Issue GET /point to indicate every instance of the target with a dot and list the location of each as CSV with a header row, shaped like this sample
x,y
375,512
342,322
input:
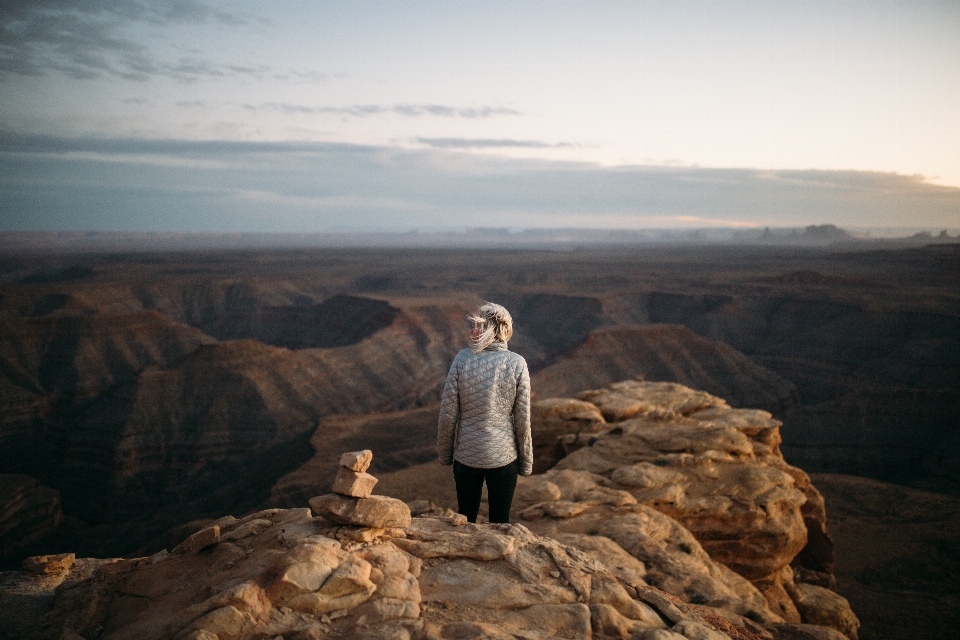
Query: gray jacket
x,y
485,412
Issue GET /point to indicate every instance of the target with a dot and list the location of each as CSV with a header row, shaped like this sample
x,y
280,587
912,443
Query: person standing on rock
x,y
484,428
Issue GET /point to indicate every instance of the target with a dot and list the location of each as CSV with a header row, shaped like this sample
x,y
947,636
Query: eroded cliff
x,y
674,516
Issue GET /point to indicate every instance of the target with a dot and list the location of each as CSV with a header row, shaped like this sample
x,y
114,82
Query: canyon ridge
x,y
146,395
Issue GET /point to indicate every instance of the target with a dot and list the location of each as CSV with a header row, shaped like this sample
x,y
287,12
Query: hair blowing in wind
x,y
495,325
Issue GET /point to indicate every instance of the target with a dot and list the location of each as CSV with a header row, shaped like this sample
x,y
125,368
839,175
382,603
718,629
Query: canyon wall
x,y
862,375
133,384
678,519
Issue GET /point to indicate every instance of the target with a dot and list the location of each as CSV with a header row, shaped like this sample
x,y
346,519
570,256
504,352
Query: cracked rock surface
x,y
676,518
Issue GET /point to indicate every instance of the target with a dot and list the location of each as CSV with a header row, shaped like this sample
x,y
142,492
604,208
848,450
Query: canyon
x,y
142,395
678,519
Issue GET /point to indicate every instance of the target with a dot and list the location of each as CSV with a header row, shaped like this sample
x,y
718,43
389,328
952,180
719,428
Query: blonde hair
x,y
495,325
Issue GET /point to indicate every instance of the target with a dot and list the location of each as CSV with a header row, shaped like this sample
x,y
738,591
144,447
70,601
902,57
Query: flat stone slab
x,y
358,461
376,511
48,564
199,541
353,484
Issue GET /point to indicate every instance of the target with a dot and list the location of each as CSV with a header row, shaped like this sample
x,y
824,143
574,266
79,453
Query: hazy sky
x,y
323,116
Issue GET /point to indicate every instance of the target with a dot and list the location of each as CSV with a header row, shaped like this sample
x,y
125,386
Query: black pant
x,y
501,483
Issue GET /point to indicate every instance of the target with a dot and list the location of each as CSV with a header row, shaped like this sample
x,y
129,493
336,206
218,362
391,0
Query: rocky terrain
x,y
144,395
137,419
678,519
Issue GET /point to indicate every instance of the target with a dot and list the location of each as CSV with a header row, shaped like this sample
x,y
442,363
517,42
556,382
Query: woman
x,y
484,429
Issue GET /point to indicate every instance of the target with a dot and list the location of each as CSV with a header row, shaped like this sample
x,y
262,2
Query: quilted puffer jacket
x,y
485,412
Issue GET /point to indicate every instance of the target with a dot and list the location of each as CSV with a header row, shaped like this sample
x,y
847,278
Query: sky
x,y
315,116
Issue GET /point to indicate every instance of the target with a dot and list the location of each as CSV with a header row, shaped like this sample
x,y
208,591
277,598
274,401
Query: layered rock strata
x,y
601,550
665,352
738,514
286,573
28,512
136,419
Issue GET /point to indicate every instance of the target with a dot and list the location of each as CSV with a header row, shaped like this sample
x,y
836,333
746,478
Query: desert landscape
x,y
147,395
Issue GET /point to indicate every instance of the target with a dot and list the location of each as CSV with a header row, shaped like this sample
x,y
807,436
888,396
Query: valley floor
x,y
897,556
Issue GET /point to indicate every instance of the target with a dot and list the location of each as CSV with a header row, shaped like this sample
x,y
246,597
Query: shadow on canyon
x,y
140,392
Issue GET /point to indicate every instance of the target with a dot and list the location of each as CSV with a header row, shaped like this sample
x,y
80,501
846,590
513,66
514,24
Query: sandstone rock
x,y
360,534
375,511
533,489
199,541
555,509
714,469
673,559
567,410
552,418
657,634
389,559
820,606
247,529
608,622
309,569
358,461
550,620
645,475
457,519
627,399
226,621
621,564
498,581
719,472
698,631
775,589
433,538
636,519
49,564
386,608
352,483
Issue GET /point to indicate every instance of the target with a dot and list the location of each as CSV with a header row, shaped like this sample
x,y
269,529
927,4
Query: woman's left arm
x,y
521,423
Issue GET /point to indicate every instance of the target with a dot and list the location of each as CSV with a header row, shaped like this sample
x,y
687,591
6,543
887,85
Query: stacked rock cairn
x,y
364,516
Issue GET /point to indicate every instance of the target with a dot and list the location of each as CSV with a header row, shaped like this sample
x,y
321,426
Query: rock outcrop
x,y
673,516
136,419
864,371
285,573
741,515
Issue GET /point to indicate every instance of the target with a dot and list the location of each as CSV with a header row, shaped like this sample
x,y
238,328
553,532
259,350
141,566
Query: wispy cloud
x,y
85,183
321,203
488,143
86,38
410,110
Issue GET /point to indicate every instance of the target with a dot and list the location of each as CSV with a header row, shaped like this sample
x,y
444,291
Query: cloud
x,y
410,110
51,183
85,39
338,203
486,143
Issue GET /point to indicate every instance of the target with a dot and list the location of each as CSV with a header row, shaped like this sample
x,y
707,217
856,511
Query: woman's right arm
x,y
449,415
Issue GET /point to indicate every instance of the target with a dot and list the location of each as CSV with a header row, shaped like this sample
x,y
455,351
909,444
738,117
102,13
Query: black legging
x,y
501,483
